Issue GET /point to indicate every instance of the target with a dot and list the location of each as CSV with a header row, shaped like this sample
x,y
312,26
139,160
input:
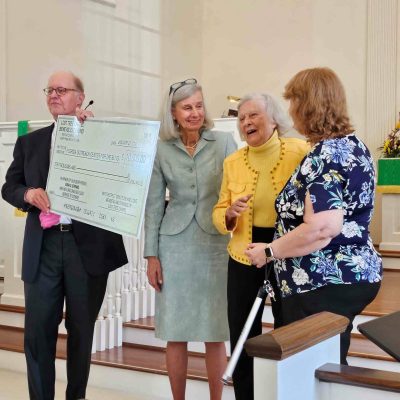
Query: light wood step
x,y
390,259
389,253
129,356
363,377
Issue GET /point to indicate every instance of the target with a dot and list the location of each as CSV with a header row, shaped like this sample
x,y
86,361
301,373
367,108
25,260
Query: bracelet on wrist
x,y
269,253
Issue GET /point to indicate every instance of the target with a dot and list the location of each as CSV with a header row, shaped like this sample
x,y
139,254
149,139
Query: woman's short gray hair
x,y
169,129
273,109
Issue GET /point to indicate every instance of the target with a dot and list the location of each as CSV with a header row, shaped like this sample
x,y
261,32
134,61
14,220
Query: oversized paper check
x,y
100,171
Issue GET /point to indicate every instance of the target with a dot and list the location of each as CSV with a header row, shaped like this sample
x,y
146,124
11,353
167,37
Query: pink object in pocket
x,y
48,219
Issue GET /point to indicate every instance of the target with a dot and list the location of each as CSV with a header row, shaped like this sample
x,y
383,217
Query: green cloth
x,y
389,172
23,127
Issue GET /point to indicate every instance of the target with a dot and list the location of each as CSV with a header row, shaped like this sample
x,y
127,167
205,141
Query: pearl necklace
x,y
193,146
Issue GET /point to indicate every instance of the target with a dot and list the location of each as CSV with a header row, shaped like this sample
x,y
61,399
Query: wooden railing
x,y
301,361
296,337
285,359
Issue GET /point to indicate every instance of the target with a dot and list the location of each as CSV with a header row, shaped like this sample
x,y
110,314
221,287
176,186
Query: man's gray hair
x,y
169,128
273,109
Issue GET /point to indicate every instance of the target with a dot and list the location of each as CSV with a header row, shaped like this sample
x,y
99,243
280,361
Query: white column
x,y
381,87
390,222
3,59
11,239
382,79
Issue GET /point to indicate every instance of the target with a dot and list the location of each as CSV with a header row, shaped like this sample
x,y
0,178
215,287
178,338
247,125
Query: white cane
x,y
261,295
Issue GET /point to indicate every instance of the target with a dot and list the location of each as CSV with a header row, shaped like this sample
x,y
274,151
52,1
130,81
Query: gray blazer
x,y
193,184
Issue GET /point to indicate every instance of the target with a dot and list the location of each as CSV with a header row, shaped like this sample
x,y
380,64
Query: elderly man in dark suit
x,y
69,260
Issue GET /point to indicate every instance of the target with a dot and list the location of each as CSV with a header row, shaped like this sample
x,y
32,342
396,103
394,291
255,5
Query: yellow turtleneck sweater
x,y
261,171
264,158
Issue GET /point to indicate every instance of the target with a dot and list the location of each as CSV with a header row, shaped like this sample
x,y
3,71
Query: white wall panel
x,y
150,13
150,96
122,92
121,43
150,46
134,47
124,53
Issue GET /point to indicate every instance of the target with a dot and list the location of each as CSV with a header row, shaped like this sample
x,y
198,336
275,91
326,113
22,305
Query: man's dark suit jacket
x,y
101,251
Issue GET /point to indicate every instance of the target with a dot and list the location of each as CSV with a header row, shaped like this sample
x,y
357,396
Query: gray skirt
x,y
192,305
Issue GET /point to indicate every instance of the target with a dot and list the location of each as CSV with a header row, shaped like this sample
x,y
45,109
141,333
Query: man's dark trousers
x,y
61,274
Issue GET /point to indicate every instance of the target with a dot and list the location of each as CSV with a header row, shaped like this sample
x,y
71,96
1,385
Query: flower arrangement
x,y
391,145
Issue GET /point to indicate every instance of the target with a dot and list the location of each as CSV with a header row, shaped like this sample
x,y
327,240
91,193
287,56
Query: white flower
x,y
300,277
359,261
351,229
306,167
285,288
299,212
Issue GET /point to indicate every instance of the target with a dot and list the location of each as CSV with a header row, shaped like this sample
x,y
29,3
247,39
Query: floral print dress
x,y
338,174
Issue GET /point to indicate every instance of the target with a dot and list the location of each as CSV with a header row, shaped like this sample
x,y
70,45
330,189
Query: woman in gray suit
x,y
186,255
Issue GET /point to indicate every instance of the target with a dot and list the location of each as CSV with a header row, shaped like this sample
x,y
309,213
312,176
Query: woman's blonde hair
x,y
169,129
318,104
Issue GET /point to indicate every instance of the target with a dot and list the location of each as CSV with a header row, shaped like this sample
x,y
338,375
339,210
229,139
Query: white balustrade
x,y
135,280
127,283
110,326
143,281
100,330
118,308
128,297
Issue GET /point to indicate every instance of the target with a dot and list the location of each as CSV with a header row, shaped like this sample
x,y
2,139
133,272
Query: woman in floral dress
x,y
324,256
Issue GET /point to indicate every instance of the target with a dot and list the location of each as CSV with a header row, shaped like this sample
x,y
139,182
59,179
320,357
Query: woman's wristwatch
x,y
269,253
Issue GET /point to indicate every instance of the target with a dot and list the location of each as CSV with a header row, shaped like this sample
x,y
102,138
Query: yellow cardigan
x,y
240,179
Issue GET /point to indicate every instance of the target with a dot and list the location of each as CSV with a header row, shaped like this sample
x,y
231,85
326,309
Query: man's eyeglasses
x,y
61,91
175,86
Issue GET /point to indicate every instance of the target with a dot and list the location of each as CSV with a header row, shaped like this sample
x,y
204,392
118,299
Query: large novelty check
x,y
100,171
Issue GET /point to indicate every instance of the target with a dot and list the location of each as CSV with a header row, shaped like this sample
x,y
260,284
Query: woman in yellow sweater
x,y
253,177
